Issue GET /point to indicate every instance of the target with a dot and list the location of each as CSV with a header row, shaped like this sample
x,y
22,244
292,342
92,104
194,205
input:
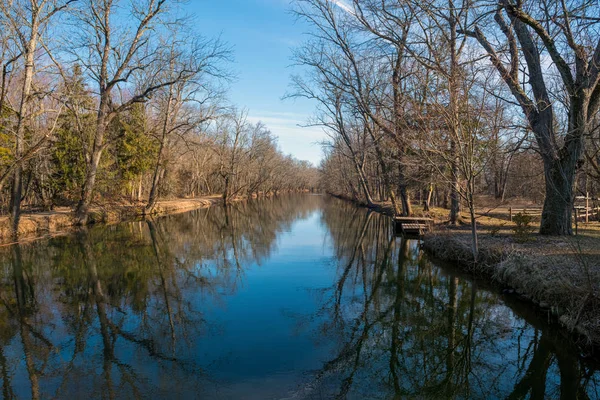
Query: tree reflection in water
x,y
405,328
113,310
123,312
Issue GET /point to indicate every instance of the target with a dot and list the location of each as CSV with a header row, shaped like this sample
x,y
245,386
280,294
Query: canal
x,y
295,297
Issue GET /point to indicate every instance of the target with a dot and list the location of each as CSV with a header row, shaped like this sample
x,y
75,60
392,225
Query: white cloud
x,y
341,4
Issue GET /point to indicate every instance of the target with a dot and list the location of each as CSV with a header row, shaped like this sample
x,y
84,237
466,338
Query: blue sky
x,y
263,34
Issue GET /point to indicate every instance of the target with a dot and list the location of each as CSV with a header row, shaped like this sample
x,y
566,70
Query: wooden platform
x,y
416,226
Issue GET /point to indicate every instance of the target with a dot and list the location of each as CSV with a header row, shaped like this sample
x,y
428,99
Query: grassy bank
x,y
62,220
560,275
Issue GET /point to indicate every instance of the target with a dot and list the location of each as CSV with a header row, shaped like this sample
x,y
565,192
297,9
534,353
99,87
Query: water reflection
x,y
294,297
405,328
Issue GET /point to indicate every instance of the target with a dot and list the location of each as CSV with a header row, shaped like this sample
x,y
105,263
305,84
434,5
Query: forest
x,y
443,102
434,103
116,102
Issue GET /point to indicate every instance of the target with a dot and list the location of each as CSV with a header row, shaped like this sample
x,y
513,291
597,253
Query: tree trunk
x,y
226,191
385,171
403,189
17,186
157,173
427,198
139,191
363,184
560,171
455,200
454,189
474,238
558,203
405,200
87,191
454,118
155,181
153,197
81,214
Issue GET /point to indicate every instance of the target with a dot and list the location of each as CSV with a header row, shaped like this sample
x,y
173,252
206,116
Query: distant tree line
x,y
118,101
443,100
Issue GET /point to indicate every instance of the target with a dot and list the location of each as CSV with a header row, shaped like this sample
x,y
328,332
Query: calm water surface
x,y
299,297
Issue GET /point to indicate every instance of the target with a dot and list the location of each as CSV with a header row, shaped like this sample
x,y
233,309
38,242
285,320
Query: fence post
x,y
576,222
510,214
587,207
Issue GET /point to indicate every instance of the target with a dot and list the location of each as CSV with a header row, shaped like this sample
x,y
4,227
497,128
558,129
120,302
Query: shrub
x,y
523,230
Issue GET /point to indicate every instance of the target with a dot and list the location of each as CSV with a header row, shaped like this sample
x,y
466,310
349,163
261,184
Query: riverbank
x,y
560,275
61,220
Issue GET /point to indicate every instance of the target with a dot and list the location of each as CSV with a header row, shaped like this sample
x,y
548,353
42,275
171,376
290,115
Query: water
x,y
300,297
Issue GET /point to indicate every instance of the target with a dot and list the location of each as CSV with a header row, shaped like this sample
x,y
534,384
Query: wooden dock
x,y
413,226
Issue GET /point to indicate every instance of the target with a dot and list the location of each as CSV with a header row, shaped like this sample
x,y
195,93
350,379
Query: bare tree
x,y
537,45
117,42
27,21
369,75
192,100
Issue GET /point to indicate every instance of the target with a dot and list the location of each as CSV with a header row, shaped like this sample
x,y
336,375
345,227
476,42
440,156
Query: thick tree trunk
x,y
558,203
153,197
560,170
405,200
427,198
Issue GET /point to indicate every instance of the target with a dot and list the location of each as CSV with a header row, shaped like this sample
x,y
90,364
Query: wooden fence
x,y
536,211
579,211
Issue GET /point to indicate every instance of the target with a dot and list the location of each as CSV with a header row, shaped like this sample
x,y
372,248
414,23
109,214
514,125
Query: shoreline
x,y
553,284
39,225
557,276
